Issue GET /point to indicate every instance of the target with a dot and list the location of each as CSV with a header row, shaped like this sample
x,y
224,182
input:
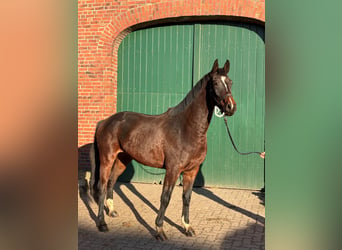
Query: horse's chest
x,y
195,152
201,152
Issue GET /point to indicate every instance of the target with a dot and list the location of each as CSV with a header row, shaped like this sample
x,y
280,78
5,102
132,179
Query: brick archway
x,y
98,44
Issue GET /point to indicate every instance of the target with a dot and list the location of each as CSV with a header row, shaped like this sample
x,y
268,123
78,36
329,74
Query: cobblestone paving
x,y
222,219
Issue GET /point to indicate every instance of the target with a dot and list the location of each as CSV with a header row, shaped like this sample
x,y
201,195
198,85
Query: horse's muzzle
x,y
230,109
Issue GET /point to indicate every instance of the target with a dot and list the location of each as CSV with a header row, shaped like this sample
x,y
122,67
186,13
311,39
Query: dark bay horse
x,y
175,140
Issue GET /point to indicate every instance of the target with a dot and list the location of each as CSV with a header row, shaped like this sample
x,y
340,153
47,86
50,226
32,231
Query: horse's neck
x,y
199,111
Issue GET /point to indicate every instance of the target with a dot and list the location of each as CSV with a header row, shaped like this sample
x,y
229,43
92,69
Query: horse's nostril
x,y
229,106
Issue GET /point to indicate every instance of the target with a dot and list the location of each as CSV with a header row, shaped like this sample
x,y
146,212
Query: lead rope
x,y
230,136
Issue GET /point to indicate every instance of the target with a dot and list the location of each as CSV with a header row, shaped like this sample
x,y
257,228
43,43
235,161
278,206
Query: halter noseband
x,y
226,95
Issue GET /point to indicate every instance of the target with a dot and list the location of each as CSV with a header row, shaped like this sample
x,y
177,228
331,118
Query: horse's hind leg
x,y
188,182
105,170
106,165
118,168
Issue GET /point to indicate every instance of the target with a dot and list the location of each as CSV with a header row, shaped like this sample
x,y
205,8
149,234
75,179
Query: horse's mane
x,y
190,96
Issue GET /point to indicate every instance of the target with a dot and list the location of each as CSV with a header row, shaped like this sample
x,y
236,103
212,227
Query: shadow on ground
x,y
250,237
261,195
210,195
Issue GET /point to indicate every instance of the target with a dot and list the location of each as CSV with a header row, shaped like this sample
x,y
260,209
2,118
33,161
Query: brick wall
x,y
102,24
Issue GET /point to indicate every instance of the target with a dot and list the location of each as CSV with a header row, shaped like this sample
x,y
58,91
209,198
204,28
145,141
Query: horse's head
x,y
221,89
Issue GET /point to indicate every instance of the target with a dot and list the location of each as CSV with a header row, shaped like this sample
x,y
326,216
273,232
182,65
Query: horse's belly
x,y
152,162
146,151
153,158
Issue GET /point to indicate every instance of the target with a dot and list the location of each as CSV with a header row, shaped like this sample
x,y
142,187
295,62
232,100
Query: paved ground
x,y
222,219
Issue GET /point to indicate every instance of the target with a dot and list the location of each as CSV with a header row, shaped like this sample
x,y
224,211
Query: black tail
x,y
95,167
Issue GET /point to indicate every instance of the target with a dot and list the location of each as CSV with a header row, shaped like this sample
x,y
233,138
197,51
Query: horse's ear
x,y
226,67
215,67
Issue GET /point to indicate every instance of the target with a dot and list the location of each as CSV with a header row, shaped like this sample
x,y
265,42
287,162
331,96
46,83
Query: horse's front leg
x,y
188,182
169,183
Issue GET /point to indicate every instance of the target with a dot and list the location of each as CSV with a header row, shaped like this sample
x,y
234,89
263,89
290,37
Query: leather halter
x,y
226,95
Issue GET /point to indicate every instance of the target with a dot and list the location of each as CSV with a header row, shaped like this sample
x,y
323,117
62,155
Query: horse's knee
x,y
110,186
166,196
187,196
186,199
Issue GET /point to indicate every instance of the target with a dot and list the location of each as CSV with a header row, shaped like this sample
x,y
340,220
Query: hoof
x,y
160,234
113,214
103,227
190,232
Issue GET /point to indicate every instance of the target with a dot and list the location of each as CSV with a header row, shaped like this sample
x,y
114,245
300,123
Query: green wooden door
x,y
243,45
158,66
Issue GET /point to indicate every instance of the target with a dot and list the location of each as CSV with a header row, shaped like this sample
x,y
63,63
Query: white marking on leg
x,y
110,204
186,225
